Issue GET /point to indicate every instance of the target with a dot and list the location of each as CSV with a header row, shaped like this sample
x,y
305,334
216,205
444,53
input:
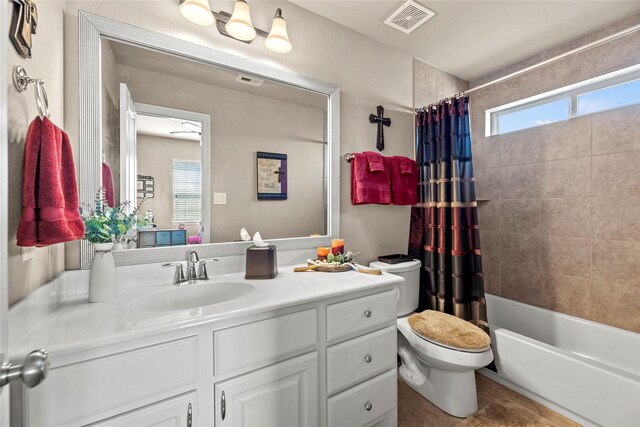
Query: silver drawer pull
x,y
368,406
367,313
368,358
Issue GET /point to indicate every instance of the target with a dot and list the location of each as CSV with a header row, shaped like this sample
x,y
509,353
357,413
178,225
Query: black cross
x,y
380,120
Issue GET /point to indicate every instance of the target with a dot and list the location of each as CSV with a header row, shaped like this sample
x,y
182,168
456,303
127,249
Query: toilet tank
x,y
409,290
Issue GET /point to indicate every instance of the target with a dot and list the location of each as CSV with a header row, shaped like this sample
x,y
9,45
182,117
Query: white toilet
x,y
442,374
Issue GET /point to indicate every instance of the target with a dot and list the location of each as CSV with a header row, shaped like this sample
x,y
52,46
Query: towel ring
x,y
22,81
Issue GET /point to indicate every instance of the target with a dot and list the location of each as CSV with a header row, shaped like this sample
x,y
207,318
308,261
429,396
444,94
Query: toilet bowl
x,y
442,374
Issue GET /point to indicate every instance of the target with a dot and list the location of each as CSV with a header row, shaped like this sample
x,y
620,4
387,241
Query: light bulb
x,y
278,39
197,11
239,25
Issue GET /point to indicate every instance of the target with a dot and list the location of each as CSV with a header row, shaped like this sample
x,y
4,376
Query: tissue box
x,y
262,262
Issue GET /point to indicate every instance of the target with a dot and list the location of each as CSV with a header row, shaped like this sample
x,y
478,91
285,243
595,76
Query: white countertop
x,y
76,325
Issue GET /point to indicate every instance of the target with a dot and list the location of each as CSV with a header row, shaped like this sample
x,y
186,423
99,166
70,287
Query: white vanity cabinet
x,y
328,362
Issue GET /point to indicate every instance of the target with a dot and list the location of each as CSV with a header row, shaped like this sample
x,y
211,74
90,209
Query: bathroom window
x,y
614,90
187,191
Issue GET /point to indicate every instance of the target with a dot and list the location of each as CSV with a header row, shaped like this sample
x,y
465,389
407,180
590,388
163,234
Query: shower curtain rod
x,y
546,61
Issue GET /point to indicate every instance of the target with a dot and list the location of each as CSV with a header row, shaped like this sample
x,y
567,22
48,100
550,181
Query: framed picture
x,y
145,187
272,176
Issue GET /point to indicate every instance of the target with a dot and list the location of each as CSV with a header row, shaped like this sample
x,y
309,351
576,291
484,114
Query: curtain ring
x,y
42,101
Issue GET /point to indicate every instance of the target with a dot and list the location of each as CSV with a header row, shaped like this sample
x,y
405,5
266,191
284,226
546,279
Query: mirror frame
x,y
91,29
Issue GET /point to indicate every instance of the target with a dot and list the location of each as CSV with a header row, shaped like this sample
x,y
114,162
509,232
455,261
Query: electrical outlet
x,y
28,253
219,198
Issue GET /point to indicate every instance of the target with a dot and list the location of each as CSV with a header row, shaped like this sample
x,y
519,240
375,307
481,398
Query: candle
x,y
337,246
323,252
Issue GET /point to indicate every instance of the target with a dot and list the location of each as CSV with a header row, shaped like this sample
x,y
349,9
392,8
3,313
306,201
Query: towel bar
x,y
21,81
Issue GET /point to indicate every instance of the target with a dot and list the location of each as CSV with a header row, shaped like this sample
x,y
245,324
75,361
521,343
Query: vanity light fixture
x,y
197,11
278,39
238,25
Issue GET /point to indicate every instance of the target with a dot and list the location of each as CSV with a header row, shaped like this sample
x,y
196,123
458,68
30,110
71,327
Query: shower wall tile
x,y
617,130
562,228
566,140
488,183
566,217
520,250
489,215
520,181
520,284
570,256
566,178
521,147
491,275
616,174
520,216
616,218
567,294
424,80
615,305
616,261
490,248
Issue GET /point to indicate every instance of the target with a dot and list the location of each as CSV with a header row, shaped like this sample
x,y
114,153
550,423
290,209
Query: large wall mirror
x,y
204,143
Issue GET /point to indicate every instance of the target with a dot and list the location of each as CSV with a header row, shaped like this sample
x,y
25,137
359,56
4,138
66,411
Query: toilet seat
x,y
449,331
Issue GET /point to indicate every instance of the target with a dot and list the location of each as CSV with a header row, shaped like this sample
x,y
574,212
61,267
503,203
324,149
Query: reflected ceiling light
x,y
239,25
278,39
197,11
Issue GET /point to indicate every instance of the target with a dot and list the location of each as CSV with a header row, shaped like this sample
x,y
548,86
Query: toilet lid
x,y
449,331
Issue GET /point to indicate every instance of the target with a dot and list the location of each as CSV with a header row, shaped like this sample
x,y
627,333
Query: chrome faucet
x,y
196,269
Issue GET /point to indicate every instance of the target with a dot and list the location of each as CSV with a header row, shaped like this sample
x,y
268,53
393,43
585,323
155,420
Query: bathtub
x,y
585,370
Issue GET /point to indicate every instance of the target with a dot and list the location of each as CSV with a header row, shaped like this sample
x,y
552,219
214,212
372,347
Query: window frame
x,y
572,92
173,193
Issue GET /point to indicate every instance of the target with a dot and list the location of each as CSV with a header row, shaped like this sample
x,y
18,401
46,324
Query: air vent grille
x,y
249,80
409,17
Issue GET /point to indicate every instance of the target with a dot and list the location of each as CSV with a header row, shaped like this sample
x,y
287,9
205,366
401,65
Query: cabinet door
x,y
281,395
176,412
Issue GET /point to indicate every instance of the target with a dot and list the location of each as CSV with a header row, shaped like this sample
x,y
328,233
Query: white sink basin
x,y
192,296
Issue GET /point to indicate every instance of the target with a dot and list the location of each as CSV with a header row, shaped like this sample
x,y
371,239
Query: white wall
x,y
369,75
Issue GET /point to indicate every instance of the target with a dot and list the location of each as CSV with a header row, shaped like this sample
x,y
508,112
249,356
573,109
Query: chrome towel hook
x,y
22,81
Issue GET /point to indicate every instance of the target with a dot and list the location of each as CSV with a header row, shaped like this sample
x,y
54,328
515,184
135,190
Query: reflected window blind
x,y
187,191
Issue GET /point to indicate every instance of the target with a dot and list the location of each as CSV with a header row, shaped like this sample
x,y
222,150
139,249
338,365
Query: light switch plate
x,y
219,198
28,253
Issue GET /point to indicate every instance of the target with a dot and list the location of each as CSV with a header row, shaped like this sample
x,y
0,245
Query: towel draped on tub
x,y
50,209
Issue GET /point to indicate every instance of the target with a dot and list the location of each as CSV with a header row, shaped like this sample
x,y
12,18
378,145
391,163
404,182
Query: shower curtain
x,y
444,225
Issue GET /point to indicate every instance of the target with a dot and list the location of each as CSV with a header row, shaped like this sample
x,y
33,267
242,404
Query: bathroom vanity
x,y
307,349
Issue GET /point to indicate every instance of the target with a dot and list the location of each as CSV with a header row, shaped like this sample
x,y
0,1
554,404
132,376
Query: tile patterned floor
x,y
416,411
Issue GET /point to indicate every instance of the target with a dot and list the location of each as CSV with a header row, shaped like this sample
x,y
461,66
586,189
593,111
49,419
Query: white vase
x,y
103,282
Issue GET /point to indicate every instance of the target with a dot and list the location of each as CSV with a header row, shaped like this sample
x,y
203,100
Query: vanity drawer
x,y
364,403
353,361
361,314
116,383
257,344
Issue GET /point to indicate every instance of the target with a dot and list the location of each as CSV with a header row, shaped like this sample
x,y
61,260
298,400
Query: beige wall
x,y
561,229
155,156
369,75
46,63
241,125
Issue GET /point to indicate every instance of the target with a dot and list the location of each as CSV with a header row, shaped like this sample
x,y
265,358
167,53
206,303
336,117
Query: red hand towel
x,y
107,184
366,186
404,180
50,211
375,161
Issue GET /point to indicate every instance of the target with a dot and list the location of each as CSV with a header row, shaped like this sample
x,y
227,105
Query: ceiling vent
x,y
248,80
409,17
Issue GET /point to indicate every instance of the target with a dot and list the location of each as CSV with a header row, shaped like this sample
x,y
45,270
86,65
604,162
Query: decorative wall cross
x,y
380,120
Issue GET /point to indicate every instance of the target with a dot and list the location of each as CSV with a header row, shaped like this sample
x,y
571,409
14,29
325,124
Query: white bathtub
x,y
586,370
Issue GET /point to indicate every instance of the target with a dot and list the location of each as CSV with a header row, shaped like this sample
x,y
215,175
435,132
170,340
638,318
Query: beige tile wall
x,y
561,229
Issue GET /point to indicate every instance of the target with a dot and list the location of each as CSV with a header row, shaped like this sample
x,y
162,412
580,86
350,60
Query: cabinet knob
x,y
368,358
368,406
367,313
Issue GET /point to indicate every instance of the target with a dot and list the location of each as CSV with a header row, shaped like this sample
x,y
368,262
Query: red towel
x,y
107,184
50,211
375,161
367,186
404,180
